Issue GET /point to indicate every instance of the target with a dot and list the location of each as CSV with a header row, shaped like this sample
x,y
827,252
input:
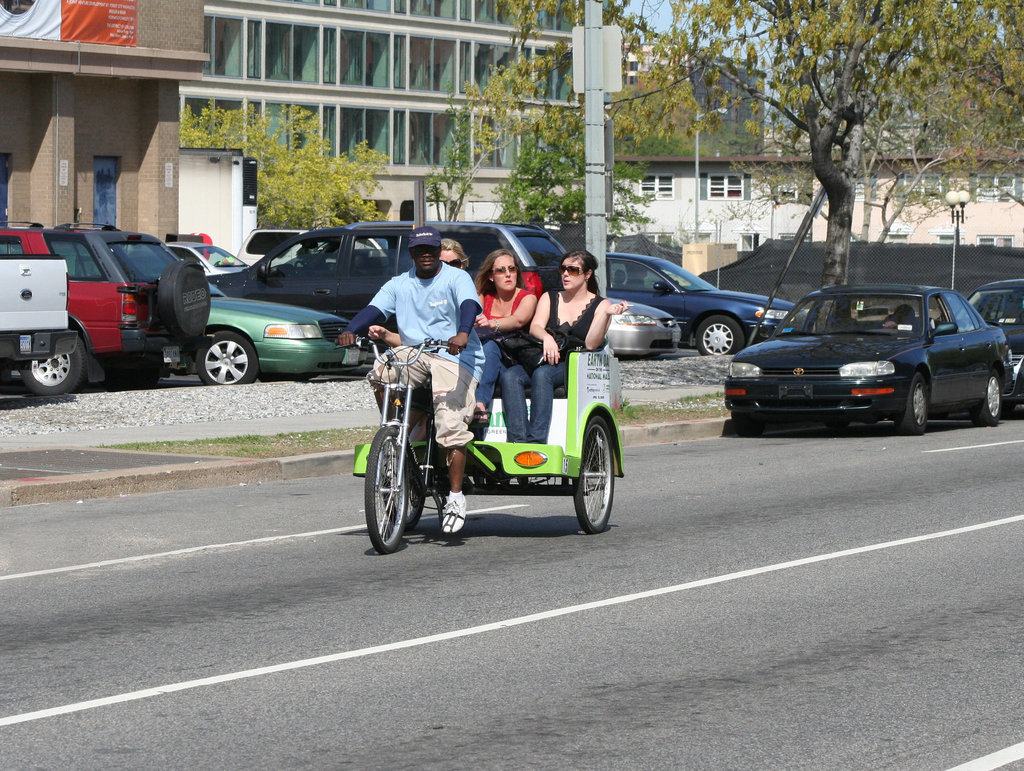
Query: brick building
x,y
89,109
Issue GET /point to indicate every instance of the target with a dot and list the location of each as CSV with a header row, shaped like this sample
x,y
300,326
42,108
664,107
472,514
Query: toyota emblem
x,y
798,371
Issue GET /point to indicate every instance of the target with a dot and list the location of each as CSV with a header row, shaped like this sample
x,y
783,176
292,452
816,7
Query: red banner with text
x,y
113,22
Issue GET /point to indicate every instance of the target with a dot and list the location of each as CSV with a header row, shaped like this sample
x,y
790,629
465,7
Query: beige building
x,y
373,70
89,117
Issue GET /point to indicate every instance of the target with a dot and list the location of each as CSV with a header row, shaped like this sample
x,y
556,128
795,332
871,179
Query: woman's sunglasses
x,y
456,263
572,270
506,269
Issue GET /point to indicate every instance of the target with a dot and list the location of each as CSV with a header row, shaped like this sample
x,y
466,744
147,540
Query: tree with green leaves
x,y
471,145
826,70
547,186
300,184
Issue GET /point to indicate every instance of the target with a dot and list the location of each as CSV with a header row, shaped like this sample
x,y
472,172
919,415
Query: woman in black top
x,y
579,318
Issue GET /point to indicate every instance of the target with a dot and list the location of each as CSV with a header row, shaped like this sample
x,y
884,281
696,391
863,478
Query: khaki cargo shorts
x,y
453,388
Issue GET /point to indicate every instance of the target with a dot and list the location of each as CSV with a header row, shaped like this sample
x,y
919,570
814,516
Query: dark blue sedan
x,y
869,353
713,321
1002,303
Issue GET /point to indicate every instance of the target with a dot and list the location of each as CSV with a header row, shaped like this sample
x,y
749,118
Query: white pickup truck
x,y
33,309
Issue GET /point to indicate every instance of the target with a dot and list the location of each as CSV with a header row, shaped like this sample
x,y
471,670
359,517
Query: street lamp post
x,y
957,200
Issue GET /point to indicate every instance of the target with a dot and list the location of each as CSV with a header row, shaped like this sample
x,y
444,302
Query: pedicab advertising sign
x,y
109,22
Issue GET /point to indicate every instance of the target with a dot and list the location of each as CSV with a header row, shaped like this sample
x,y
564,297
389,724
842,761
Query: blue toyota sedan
x,y
867,353
714,321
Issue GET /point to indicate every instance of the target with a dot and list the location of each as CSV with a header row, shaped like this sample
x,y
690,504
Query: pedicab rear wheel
x,y
595,487
385,495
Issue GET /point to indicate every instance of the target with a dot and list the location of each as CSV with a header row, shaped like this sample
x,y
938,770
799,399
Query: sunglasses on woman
x,y
506,269
572,270
456,263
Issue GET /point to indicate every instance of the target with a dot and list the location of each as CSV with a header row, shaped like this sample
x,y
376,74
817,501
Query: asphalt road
x,y
802,601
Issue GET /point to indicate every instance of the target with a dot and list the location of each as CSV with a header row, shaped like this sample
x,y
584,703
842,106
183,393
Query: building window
x,y
364,58
432,64
488,57
398,60
359,125
329,122
1001,241
724,186
429,134
223,44
254,49
994,188
487,11
330,56
292,52
658,186
398,137
442,9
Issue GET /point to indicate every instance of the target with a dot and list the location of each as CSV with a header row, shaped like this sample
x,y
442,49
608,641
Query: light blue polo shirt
x,y
429,308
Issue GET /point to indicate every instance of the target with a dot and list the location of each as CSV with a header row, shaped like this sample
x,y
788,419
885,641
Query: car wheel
x,y
987,412
914,419
719,336
183,299
747,426
231,360
56,376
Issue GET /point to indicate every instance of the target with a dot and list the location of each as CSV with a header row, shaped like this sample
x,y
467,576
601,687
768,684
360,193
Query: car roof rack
x,y
19,224
85,226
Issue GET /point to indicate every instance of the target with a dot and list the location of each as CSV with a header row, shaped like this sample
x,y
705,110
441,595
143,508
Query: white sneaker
x,y
454,515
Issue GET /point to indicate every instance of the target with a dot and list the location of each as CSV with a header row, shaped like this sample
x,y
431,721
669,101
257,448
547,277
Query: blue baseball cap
x,y
425,236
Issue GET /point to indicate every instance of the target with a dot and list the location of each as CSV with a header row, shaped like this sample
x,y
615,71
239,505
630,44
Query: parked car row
x,y
140,312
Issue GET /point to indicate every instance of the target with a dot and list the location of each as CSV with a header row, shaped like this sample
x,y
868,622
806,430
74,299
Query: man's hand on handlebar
x,y
458,343
347,338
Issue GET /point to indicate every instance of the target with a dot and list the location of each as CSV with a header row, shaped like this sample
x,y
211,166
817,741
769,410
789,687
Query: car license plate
x,y
172,354
796,392
25,343
352,356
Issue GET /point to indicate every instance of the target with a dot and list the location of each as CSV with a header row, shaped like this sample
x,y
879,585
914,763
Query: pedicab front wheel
x,y
386,495
595,487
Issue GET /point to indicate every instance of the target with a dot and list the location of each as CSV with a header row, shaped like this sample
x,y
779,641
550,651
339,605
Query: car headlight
x,y
635,320
776,314
744,369
293,331
867,369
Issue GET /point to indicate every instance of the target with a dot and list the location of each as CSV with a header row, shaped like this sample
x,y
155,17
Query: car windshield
x,y
684,279
142,260
218,257
1001,306
855,314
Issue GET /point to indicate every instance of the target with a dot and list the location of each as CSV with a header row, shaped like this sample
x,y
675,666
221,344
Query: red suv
x,y
139,311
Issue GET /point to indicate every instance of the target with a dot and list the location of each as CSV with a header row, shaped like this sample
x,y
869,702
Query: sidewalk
x,y
73,465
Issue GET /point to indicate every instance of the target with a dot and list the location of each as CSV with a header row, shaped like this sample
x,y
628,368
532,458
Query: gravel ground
x,y
21,415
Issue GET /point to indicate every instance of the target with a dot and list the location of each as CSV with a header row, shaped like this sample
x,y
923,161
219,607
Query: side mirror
x,y
261,270
945,328
661,287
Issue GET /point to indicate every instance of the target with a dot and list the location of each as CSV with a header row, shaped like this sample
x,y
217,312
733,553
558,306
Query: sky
x,y
657,11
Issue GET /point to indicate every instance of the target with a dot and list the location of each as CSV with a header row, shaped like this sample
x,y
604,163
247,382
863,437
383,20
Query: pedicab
x,y
404,474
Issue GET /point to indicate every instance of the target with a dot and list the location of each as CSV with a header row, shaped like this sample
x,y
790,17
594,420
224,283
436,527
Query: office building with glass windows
x,y
374,70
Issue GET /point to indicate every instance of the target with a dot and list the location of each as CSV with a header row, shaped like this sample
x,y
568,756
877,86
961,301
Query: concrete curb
x,y
227,473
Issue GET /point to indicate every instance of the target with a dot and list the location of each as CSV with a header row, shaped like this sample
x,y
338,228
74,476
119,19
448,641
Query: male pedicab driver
x,y
439,302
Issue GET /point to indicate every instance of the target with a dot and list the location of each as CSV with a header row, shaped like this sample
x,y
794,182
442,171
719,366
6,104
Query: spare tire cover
x,y
183,299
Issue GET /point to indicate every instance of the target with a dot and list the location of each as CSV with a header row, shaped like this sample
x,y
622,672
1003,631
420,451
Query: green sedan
x,y
254,339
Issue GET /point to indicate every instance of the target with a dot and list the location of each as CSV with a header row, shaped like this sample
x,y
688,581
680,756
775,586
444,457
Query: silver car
x,y
643,331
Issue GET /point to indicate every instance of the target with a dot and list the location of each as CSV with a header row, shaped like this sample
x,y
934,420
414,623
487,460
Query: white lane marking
x,y
975,446
483,628
212,546
995,760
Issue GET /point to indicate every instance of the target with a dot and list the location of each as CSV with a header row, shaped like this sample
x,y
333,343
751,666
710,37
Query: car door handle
x,y
321,291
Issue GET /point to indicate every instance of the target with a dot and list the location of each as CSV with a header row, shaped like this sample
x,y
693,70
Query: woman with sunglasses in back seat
x,y
579,318
508,306
453,254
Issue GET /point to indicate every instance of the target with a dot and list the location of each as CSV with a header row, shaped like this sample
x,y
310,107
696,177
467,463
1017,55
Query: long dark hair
x,y
589,263
484,279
